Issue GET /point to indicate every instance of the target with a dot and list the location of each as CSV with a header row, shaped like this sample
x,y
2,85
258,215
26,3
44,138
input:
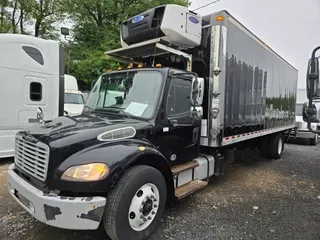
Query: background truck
x,y
31,76
301,130
195,89
310,112
73,98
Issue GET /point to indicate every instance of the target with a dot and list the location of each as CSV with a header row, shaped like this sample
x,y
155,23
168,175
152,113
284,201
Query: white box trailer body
x,y
251,90
31,76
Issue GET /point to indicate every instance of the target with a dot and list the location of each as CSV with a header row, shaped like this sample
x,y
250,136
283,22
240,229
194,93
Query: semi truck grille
x,y
32,157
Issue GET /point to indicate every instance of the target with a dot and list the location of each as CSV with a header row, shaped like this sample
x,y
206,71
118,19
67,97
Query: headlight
x,y
86,173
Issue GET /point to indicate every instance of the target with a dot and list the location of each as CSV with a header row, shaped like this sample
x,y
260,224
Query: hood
x,y
302,125
73,108
82,129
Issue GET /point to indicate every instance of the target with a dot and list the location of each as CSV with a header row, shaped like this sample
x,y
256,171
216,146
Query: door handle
x,y
174,122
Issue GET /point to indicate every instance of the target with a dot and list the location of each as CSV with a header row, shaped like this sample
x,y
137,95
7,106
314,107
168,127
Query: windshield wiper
x,y
85,106
116,108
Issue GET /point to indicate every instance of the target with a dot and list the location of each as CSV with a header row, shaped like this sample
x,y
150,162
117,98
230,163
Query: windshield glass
x,y
134,92
73,98
299,109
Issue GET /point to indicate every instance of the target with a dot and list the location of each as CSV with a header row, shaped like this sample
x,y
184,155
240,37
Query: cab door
x,y
181,132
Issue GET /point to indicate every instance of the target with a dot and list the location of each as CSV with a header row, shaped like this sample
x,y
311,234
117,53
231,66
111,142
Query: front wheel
x,y
135,206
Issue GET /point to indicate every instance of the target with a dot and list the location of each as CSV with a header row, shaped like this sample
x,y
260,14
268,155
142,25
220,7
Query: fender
x,y
118,155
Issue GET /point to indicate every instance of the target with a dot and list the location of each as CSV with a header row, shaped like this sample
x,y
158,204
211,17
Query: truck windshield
x,y
134,93
73,98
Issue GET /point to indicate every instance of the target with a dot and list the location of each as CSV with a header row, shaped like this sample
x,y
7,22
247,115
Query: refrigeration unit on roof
x,y
171,23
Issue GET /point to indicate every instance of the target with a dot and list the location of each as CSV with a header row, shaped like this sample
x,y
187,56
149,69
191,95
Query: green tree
x,y
39,15
4,16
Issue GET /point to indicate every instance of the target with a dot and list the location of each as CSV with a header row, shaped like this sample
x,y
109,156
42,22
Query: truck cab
x,y
301,130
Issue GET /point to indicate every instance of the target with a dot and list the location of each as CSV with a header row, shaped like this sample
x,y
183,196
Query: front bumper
x,y
81,213
302,134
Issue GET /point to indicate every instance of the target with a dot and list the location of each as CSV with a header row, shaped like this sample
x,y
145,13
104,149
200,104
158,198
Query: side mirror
x,y
194,91
40,115
313,83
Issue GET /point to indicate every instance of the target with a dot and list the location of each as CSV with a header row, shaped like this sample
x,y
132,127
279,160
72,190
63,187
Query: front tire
x,y
314,140
135,206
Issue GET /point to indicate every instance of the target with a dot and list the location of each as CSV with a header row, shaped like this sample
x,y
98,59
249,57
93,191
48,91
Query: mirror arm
x,y
311,79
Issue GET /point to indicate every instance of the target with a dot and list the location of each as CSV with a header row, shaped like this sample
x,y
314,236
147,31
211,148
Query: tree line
x,y
95,26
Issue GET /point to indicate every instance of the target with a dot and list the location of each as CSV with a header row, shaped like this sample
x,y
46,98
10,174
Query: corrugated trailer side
x,y
256,87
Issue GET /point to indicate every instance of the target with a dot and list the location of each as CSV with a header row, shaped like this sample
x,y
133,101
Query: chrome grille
x,y
32,158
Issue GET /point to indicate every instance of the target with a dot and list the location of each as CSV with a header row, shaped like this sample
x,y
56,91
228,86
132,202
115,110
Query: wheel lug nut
x,y
149,218
152,197
153,212
155,205
143,202
144,219
147,198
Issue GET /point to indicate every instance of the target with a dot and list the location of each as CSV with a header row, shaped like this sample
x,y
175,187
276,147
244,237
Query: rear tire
x,y
314,141
135,206
276,146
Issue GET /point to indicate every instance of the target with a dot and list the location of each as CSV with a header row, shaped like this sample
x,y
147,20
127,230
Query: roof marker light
x,y
220,18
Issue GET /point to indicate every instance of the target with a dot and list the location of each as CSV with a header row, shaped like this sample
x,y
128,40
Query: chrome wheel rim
x,y
144,207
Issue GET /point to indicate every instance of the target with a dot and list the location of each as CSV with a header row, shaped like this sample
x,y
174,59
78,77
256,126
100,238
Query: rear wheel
x,y
314,141
276,146
135,206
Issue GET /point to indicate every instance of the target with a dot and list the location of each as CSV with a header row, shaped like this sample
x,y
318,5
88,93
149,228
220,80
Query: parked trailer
x,y
196,89
31,76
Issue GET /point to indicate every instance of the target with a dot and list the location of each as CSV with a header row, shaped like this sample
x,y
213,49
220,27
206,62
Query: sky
x,y
290,27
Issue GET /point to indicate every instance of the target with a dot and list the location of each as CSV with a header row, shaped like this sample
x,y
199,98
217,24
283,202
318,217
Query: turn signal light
x,y
158,65
219,18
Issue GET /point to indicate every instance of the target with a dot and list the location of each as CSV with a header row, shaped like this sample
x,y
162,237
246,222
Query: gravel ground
x,y
258,200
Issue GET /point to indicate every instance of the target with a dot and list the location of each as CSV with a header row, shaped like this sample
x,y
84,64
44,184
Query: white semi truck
x,y
196,88
31,76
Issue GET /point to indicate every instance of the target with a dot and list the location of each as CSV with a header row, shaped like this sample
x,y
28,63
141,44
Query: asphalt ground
x,y
256,199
